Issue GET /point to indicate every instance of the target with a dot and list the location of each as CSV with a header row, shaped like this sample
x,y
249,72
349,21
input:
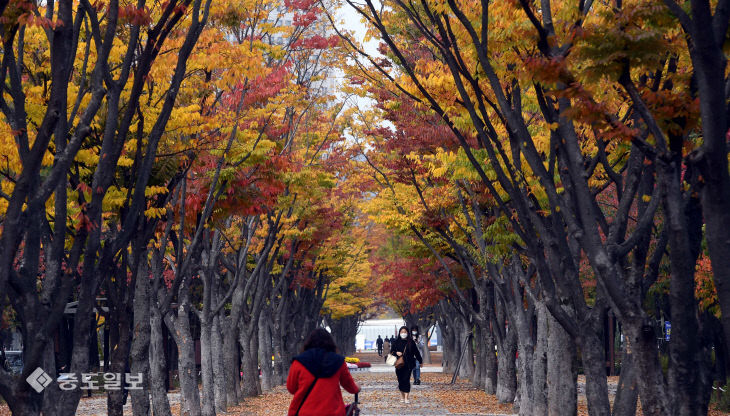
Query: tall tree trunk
x,y
627,392
561,374
467,362
249,360
206,364
276,345
593,358
179,326
52,392
521,317
119,344
158,369
219,367
265,352
641,341
684,222
709,63
506,371
526,379
84,321
232,360
480,365
140,352
539,363
490,361
426,353
450,347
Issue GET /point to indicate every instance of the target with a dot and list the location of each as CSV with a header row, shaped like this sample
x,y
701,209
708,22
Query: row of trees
x,y
547,164
181,162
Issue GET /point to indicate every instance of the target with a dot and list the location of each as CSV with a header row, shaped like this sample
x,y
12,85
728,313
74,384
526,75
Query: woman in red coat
x,y
315,377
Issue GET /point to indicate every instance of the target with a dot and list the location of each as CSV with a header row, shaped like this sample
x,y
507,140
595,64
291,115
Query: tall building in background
x,y
327,78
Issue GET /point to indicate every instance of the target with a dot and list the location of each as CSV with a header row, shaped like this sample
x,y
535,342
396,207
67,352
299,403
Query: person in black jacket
x,y
405,347
416,338
379,344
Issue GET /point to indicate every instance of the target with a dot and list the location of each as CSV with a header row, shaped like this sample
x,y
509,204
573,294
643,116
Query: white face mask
x,y
404,336
414,332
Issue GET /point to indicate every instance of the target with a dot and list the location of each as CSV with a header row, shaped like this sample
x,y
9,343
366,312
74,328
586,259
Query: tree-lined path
x,y
188,188
379,396
435,396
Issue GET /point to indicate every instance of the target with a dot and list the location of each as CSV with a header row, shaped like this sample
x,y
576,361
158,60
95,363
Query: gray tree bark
x,y
219,367
506,371
539,363
426,352
206,366
265,352
277,344
627,393
158,370
120,341
249,361
140,351
232,360
466,369
480,361
450,347
490,362
179,326
561,373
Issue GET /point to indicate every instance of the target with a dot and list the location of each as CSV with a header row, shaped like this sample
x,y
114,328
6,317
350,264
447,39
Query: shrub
x,y
352,360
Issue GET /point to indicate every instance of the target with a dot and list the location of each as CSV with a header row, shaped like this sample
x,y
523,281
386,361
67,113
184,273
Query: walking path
x,y
379,397
96,405
434,396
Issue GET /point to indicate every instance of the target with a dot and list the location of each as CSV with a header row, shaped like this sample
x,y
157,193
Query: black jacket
x,y
409,350
379,342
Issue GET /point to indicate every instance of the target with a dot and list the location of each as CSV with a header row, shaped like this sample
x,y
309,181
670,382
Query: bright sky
x,y
348,19
351,20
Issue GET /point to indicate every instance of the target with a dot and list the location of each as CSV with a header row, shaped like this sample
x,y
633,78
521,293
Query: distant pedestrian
x,y
416,339
379,344
386,348
392,341
315,377
406,348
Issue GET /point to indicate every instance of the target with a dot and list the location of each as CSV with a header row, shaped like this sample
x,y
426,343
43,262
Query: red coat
x,y
325,399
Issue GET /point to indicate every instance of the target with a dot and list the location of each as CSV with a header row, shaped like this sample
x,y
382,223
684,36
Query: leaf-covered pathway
x,y
379,396
435,396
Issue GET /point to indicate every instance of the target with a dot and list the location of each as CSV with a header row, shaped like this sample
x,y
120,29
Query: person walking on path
x,y
406,348
379,344
416,339
315,377
386,348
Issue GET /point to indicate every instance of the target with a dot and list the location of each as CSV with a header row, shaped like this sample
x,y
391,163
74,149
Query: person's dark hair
x,y
320,338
